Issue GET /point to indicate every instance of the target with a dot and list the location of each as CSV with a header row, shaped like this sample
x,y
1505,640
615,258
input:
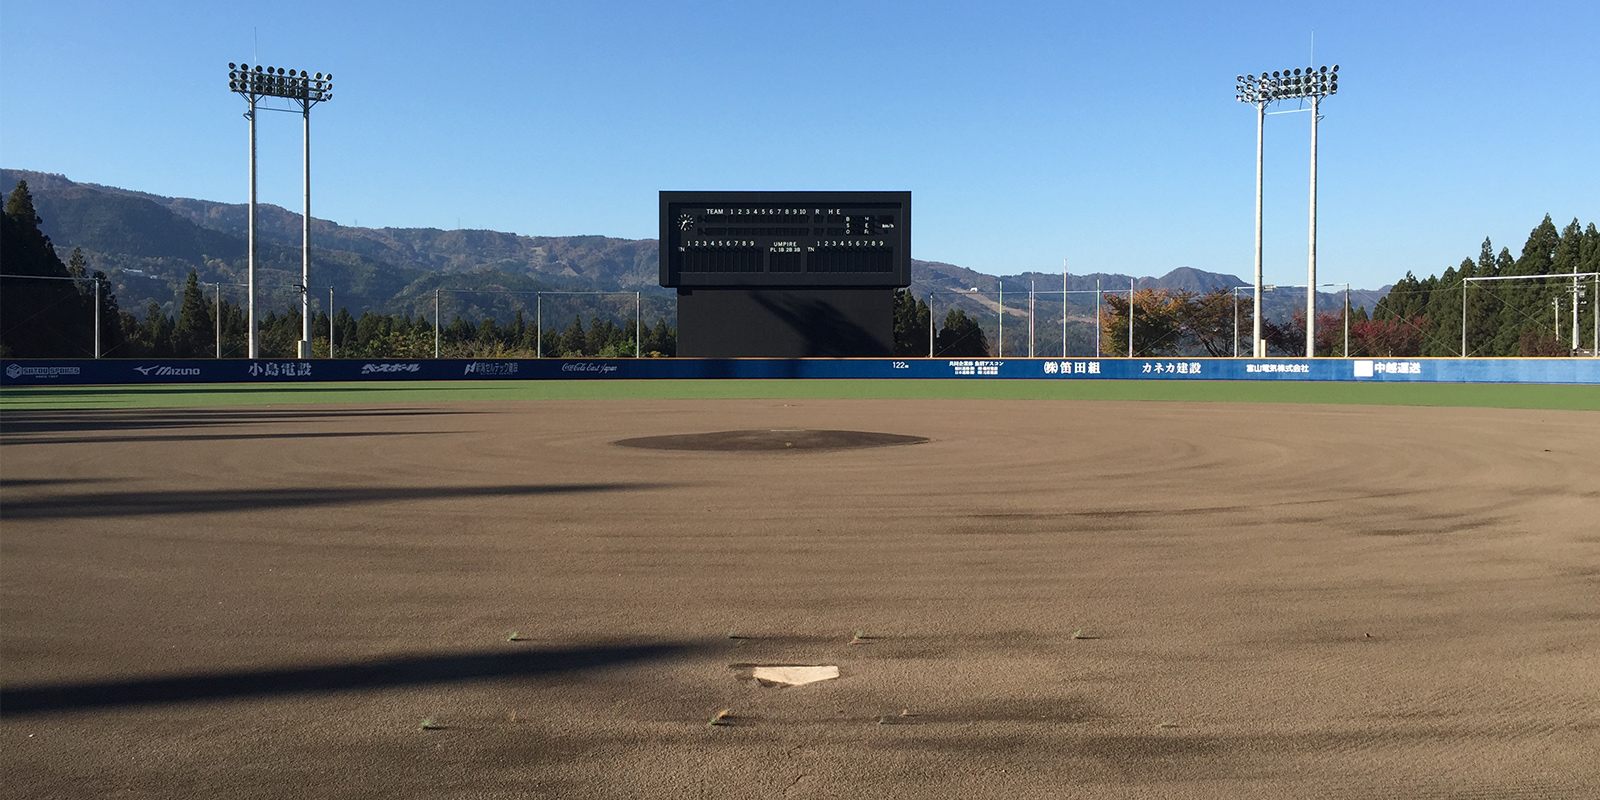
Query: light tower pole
x,y
1260,92
1311,266
305,91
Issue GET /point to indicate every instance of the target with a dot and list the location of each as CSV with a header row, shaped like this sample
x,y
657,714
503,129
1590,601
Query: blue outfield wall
x,y
38,372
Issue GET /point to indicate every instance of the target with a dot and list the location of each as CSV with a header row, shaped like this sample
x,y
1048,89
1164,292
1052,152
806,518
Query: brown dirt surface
x,y
1046,599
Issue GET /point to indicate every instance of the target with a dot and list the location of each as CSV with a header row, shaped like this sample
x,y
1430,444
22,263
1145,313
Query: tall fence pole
x,y
330,321
1000,340
1347,320
637,330
1063,308
1030,319
538,322
1235,322
1096,317
96,316
1130,318
219,319
930,324
438,324
1594,306
1464,285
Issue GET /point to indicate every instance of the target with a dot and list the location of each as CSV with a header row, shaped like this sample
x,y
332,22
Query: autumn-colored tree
x,y
1211,320
1158,321
1387,338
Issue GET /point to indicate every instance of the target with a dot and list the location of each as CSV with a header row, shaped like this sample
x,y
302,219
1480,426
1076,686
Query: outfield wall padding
x,y
38,372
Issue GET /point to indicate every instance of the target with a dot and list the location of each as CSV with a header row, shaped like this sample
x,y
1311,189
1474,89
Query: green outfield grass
x,y
1585,398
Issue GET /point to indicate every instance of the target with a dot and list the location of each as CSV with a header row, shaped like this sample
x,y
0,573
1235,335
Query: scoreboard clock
x,y
785,239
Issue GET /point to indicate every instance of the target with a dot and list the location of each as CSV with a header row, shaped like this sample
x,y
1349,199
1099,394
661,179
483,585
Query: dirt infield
x,y
1047,599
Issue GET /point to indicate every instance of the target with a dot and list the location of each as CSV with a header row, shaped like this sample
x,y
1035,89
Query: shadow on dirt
x,y
207,437
133,504
89,420
415,670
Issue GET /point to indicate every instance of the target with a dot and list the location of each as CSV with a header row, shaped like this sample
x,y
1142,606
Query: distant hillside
x,y
147,244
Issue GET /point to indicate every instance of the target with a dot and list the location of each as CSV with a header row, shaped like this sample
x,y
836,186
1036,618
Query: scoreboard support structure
x,y
785,274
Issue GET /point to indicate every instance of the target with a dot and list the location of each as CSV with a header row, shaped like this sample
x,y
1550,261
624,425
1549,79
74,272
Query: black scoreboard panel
x,y
795,239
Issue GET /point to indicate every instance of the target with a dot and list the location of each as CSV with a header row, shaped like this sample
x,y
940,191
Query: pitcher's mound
x,y
772,440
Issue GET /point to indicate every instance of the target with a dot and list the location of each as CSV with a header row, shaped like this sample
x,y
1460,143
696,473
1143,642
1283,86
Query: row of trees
x,y
1416,318
959,337
1174,322
1503,317
49,311
195,333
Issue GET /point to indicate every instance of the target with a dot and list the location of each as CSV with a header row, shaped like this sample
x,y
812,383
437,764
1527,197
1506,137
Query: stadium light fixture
x,y
1261,91
305,91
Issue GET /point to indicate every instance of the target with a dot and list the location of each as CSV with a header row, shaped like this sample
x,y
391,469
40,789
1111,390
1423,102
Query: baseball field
x,y
1032,590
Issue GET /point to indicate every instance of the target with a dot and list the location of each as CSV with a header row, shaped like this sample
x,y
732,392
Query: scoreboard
x,y
785,239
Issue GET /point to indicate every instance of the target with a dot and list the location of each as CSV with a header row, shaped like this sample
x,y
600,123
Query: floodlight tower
x,y
1312,84
305,91
1259,93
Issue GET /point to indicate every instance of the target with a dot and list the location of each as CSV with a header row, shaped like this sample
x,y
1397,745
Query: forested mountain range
x,y
159,253
146,244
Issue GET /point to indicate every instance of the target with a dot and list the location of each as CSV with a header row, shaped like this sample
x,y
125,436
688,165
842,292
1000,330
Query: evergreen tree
x,y
960,337
573,339
912,320
458,332
660,340
1444,313
42,315
598,336
488,333
19,207
78,270
155,332
515,333
1527,305
194,335
346,341
1483,302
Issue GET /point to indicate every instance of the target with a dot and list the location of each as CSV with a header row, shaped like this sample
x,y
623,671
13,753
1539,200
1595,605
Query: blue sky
x,y
1104,133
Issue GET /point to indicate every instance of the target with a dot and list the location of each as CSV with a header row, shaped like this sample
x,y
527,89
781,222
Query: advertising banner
x,y
259,371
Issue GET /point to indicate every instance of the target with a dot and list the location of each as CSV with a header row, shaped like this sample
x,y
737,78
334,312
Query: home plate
x,y
793,676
